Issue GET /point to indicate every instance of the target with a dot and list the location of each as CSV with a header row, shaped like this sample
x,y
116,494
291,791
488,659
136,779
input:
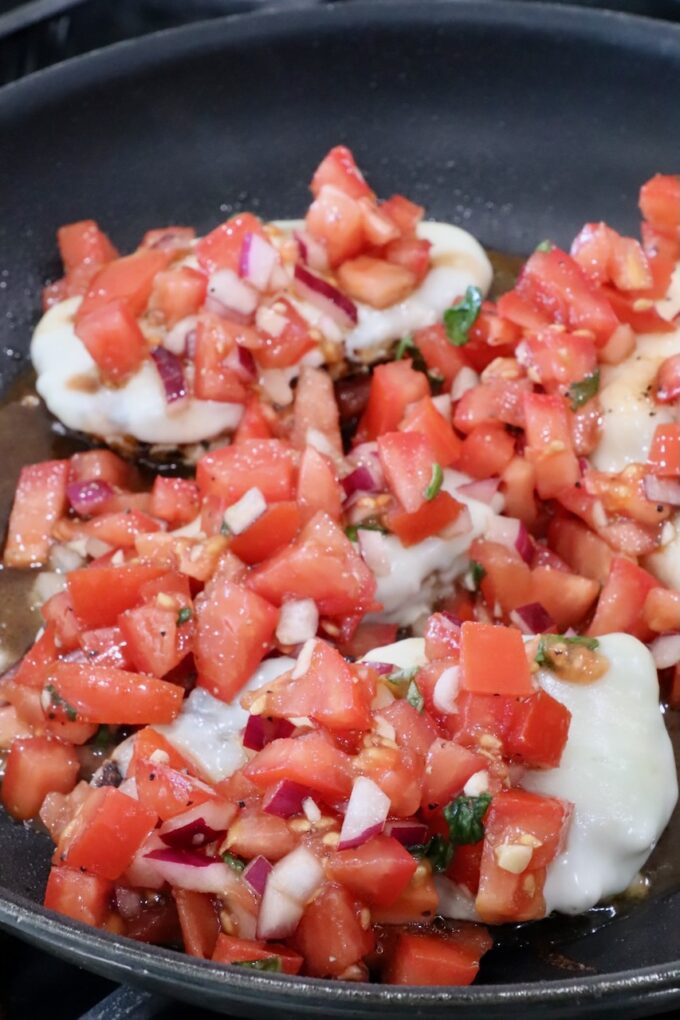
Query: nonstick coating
x,y
517,121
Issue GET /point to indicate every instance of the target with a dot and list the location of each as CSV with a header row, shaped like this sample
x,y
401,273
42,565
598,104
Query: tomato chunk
x,y
199,922
83,897
423,417
40,499
376,872
330,949
393,387
420,959
232,950
622,600
221,248
539,730
128,280
216,360
660,202
664,455
376,282
432,518
264,464
408,462
104,694
100,594
339,168
310,760
493,660
35,767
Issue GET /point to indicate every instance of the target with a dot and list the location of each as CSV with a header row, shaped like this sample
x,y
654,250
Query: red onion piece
x,y
172,374
290,886
88,498
583,465
361,479
532,618
326,297
511,533
198,826
260,731
665,650
257,260
285,799
483,490
242,363
408,833
312,251
231,297
382,668
662,490
256,874
366,814
188,870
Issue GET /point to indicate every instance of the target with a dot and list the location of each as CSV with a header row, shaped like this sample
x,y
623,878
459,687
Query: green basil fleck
x,y
235,863
435,482
184,615
543,656
584,390
414,697
352,530
402,677
477,574
438,851
269,963
58,702
544,246
461,317
464,816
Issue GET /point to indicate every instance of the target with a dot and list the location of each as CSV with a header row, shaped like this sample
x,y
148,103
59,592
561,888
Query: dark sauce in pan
x,y
28,433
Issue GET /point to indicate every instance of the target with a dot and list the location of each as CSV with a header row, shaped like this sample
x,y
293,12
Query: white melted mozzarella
x,y
617,770
137,409
208,732
630,413
420,574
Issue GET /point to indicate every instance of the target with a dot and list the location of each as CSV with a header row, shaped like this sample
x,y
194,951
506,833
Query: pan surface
x,y
517,121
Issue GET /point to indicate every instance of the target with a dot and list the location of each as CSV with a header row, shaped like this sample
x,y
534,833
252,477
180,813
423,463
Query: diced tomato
x,y
440,356
376,282
177,293
418,902
316,412
539,731
265,464
102,465
442,637
662,251
106,646
105,834
423,417
11,726
580,548
112,336
493,660
660,202
103,694
232,950
518,310
254,423
412,253
84,242
398,772
167,792
100,594
39,500
668,380
376,872
662,610
639,313
216,360
148,740
493,401
310,760
234,631
335,218
622,601
221,248
155,640
449,766
339,168
157,923
174,500
27,703
121,529
518,482
408,462
554,283
35,767
412,729
330,949
175,239
433,517
420,959
322,564
393,387
255,833
559,358
318,488
128,280
43,652
274,530
664,454
607,257
465,866
566,597
329,692
74,894
199,922
486,451
406,214
367,636
507,579
549,443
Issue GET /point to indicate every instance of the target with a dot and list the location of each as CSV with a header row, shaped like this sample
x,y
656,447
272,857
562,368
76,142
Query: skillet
x,y
518,121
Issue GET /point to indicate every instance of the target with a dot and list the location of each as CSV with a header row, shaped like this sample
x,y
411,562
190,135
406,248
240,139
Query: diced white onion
x,y
239,516
298,621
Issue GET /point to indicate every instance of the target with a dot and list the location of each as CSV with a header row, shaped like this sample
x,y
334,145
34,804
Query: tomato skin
x,y
539,731
393,387
177,293
339,168
486,451
232,950
660,202
106,833
39,500
376,282
423,417
35,767
310,760
214,379
482,646
74,894
329,949
83,242
465,866
127,280
221,248
420,959
662,251
265,464
622,600
335,218
321,564
408,462
234,630
104,694
100,594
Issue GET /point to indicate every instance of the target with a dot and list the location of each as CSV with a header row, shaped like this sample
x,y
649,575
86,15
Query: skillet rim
x,y
124,958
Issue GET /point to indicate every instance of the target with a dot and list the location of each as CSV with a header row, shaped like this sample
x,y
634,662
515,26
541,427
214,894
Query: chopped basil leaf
x,y
414,697
581,392
184,615
438,852
225,529
407,347
270,963
235,863
104,736
544,246
477,573
58,702
352,530
402,677
543,657
435,482
461,317
464,816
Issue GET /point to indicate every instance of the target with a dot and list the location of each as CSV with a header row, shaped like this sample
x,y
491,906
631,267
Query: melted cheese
x,y
617,770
